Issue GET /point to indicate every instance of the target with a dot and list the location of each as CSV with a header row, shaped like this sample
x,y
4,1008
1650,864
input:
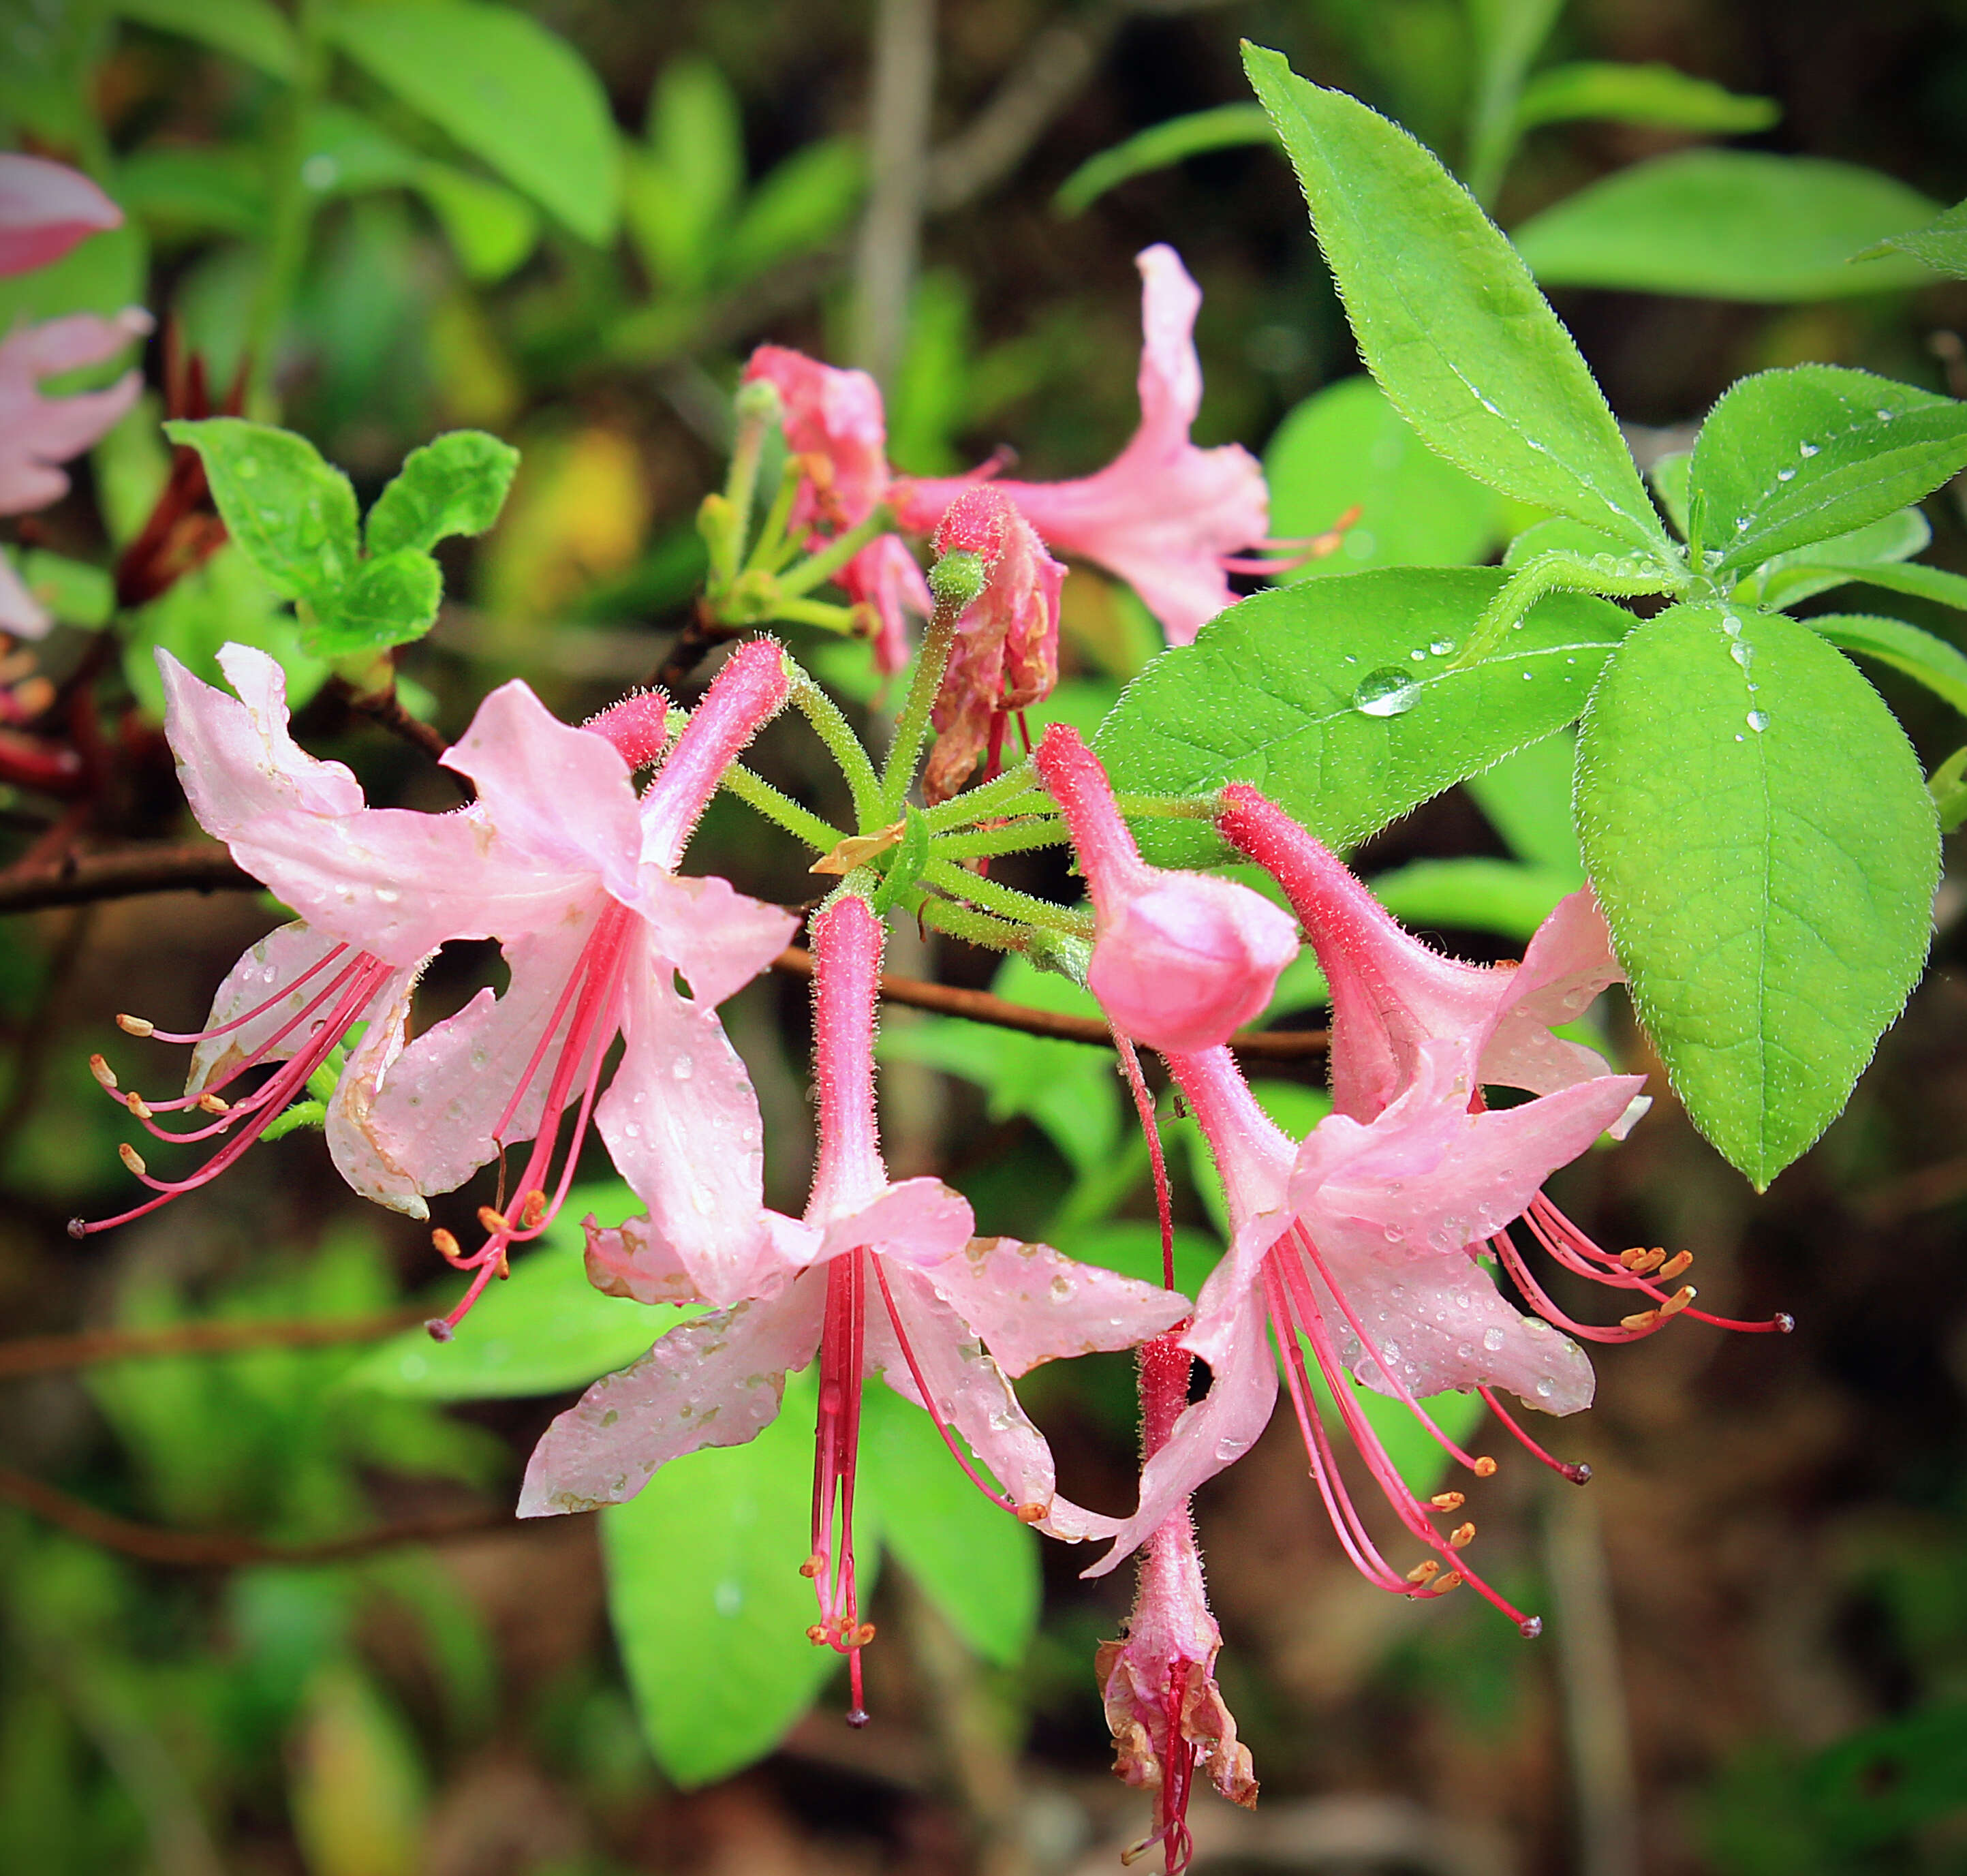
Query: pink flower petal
x,y
235,759
21,613
717,937
352,1142
1031,1304
286,954
45,209
714,1382
560,795
920,1221
631,1260
36,433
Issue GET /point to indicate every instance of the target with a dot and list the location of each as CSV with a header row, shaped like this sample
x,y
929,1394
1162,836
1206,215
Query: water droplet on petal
x,y
1492,1340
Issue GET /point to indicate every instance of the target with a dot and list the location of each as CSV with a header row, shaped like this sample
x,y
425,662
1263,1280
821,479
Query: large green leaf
x,y
1346,445
392,600
1788,458
1640,94
1527,798
802,203
975,1561
684,190
1939,666
1923,583
251,31
709,1609
511,93
1761,840
1222,126
1731,224
1447,316
292,515
1337,698
456,483
1784,580
1499,896
545,1330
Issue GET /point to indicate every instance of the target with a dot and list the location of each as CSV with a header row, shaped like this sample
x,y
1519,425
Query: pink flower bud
x,y
1179,960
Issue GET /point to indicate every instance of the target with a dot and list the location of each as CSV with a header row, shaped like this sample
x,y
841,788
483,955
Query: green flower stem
x,y
973,927
994,797
1168,806
830,724
755,792
823,566
1020,837
1007,901
754,413
774,547
291,213
955,580
838,619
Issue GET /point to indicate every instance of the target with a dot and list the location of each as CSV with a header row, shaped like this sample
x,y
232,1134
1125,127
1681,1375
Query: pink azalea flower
x,y
894,1285
1168,518
559,860
1180,960
833,419
1363,1241
1006,655
45,209
1392,997
1166,1716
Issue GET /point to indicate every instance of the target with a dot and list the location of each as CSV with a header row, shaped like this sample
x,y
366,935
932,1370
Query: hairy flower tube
x,y
888,1280
1363,1243
559,860
1179,960
1169,519
1392,997
1005,658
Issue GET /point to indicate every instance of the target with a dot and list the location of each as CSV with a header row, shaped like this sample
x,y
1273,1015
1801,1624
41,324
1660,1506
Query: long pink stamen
x,y
836,1454
1578,1474
258,1009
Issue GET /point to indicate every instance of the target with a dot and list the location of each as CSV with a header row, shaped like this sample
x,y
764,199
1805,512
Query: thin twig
x,y
202,1550
123,873
385,708
44,1354
697,641
884,259
1275,1045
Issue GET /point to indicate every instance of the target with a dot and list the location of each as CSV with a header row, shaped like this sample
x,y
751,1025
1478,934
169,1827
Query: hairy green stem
x,y
1019,837
973,927
911,727
1007,901
774,547
1550,573
823,566
992,798
755,792
830,724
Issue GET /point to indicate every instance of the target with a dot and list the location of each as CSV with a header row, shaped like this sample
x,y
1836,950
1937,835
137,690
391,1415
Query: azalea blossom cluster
x,y
1369,1255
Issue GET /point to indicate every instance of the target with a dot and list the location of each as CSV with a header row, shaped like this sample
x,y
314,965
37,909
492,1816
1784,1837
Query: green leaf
x,y
1498,896
1347,444
103,274
491,230
70,591
349,154
252,31
1728,223
1560,535
1336,698
514,94
684,190
545,1330
1947,784
1508,34
709,1609
1527,798
392,600
971,1557
1941,244
1668,476
1923,655
1640,94
1787,579
456,483
800,205
191,191
1762,842
1159,146
1925,582
1447,317
1789,457
292,515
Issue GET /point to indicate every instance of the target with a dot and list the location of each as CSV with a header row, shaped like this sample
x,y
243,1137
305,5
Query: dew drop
x,y
1417,656
1884,416
387,895
1805,449
1442,647
1545,1388
1387,692
1758,720
1785,475
1492,1340
683,1068
1741,653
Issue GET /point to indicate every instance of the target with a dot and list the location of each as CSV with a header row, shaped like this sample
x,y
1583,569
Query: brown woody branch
x,y
44,1354
86,877
158,1544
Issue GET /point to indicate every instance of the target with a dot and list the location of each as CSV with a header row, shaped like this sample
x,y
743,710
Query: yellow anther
x,y
1447,1500
493,1223
212,1104
1461,1537
1675,1265
137,1105
1451,1581
1644,1319
532,1209
1421,1572
1642,1261
1679,1300
132,1159
1029,1514
1485,1467
103,1072
448,1246
817,1634
135,1025
861,1636
813,1566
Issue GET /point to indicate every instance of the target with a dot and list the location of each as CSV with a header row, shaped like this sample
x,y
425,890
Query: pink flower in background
x,y
1168,518
1180,960
1363,1241
1006,655
895,1285
833,419
1394,998
45,209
